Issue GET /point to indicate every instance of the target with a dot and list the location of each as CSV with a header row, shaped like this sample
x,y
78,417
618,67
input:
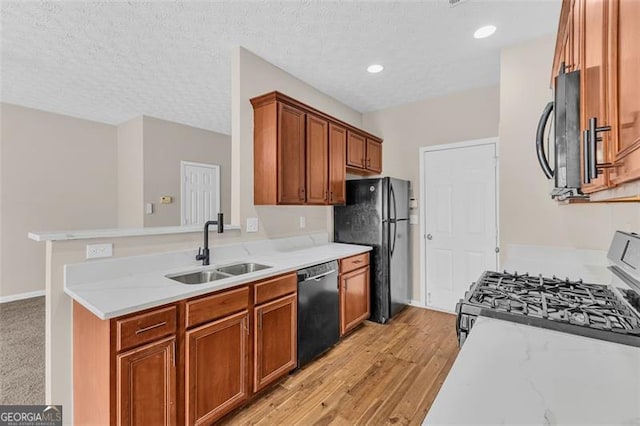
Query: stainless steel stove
x,y
572,306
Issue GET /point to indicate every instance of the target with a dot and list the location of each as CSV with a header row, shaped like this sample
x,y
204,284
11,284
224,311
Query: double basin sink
x,y
220,273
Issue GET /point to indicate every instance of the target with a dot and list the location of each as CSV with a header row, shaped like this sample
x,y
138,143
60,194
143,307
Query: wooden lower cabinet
x,y
146,385
216,378
275,340
354,299
355,283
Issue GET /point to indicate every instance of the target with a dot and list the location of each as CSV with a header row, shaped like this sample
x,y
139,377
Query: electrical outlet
x,y
96,251
303,222
252,224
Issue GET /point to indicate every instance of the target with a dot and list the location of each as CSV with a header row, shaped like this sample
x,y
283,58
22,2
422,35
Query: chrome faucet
x,y
203,254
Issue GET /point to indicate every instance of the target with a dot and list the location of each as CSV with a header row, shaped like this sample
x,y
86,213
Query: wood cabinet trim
x,y
274,96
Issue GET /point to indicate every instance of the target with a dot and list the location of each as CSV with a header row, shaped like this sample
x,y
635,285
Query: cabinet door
x,y
146,385
374,156
354,298
625,71
317,160
594,74
291,155
275,338
216,379
337,164
356,150
576,26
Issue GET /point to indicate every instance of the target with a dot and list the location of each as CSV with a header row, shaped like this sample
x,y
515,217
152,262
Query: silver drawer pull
x,y
151,327
357,261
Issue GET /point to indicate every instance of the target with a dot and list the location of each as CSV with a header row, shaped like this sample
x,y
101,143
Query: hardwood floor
x,y
379,374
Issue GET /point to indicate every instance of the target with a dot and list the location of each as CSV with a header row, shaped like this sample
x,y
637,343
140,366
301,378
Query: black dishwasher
x,y
318,310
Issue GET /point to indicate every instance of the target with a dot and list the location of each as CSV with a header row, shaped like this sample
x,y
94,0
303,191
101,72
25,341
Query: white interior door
x,y
460,220
200,192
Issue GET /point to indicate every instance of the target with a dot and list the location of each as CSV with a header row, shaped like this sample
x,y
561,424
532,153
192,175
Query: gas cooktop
x,y
591,310
572,306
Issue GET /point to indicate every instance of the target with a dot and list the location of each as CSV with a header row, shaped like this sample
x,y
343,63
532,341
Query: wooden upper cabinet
x,y
594,99
317,187
146,385
364,154
337,164
302,155
291,155
374,155
624,17
216,377
356,150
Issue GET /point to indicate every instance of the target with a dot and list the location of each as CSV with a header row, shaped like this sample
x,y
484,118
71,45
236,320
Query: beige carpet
x,y
22,352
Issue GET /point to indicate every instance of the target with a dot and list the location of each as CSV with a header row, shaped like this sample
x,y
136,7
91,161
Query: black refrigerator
x,y
376,214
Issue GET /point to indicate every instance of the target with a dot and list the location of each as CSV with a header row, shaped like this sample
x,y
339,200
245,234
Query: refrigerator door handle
x,y
393,197
395,232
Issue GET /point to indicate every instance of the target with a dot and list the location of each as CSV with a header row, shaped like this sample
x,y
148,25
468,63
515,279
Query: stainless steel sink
x,y
242,268
199,277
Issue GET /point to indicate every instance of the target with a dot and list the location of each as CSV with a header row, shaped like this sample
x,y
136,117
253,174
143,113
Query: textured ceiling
x,y
111,61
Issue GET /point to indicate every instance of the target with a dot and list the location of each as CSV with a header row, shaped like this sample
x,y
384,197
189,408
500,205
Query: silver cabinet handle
x,y
151,327
429,237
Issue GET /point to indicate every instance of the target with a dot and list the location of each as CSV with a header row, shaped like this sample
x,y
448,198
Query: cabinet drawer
x,y
275,287
219,305
354,262
144,328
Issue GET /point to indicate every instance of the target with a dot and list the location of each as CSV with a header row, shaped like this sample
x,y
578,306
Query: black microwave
x,y
566,170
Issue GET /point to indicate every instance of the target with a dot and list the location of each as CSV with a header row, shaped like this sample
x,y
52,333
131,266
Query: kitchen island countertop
x,y
119,286
510,373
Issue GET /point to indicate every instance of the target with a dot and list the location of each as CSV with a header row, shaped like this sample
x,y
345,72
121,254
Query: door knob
x,y
429,237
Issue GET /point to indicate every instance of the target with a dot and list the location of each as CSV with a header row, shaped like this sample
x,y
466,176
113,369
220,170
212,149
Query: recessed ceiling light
x,y
484,32
375,68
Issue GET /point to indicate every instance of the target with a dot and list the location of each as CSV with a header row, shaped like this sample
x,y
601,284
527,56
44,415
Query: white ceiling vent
x,y
454,3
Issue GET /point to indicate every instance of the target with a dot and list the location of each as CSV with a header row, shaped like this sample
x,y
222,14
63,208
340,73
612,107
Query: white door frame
x,y
423,232
216,170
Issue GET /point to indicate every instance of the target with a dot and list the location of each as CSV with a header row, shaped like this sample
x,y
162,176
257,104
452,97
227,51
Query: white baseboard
x,y
21,296
416,303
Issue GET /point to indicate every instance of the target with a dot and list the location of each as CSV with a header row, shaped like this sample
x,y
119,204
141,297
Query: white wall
x,y
462,116
527,214
166,144
57,172
253,76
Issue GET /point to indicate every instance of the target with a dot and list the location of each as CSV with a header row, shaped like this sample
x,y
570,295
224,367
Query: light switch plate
x,y
96,251
148,208
252,224
303,222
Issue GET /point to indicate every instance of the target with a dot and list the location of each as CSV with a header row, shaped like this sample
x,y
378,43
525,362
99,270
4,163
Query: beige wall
x,y
166,144
253,76
57,172
527,214
130,174
457,117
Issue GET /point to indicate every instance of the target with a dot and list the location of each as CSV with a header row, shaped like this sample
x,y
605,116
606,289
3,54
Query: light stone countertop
x,y
509,373
84,234
114,287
